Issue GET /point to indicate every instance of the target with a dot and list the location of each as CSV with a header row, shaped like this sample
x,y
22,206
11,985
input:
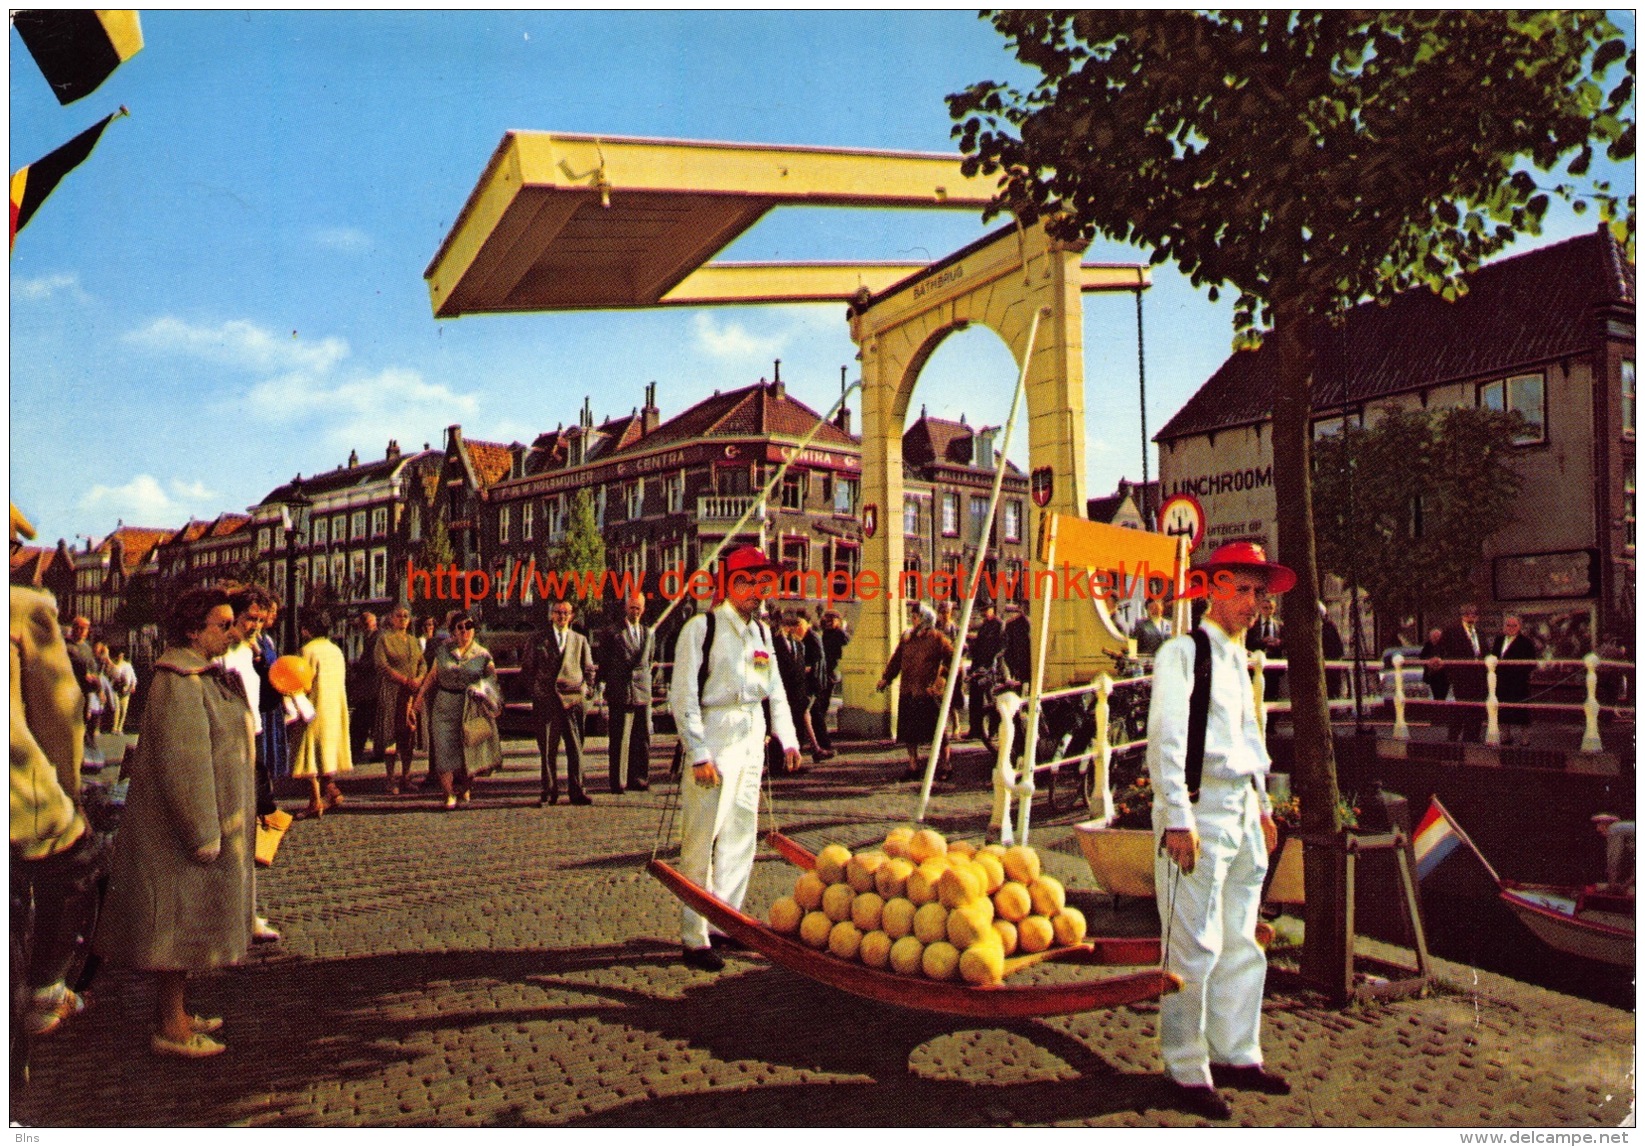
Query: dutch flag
x,y
1436,838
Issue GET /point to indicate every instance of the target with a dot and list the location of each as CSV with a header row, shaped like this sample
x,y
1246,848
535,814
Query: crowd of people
x,y
227,720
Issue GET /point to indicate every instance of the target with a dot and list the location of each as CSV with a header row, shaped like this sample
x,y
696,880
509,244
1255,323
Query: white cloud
x,y
362,410
240,344
732,340
47,286
144,501
342,238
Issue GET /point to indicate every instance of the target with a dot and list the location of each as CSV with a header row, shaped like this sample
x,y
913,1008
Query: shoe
x,y
945,774
262,932
797,770
820,755
1199,1100
314,811
1249,1077
392,788
639,786
205,1025
466,796
334,795
703,959
46,1016
197,1046
910,775
451,802
723,943
581,798
548,799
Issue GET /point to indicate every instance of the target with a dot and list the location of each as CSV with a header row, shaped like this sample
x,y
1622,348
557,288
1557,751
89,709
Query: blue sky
x,y
230,290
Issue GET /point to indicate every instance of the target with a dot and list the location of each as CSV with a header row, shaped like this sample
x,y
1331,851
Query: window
x,y
379,573
1628,398
796,553
339,528
526,588
262,540
415,529
845,496
318,578
950,515
505,518
793,491
319,531
555,508
358,524
979,517
339,572
528,521
847,561
280,580
599,508
357,572
1628,514
675,489
910,515
379,522
826,483
1325,427
1013,521
1526,394
636,498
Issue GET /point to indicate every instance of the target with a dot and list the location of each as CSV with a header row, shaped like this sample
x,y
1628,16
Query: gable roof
x,y
758,411
1528,309
136,543
930,441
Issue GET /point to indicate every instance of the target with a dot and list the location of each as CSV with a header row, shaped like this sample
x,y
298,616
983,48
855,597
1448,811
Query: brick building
x,y
1549,333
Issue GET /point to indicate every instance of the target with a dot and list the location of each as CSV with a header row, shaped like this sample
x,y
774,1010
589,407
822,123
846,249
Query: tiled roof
x,y
1528,309
30,563
229,523
932,441
751,412
1104,509
136,542
492,461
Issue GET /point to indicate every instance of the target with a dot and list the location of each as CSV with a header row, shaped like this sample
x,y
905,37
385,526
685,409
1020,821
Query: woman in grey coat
x,y
180,890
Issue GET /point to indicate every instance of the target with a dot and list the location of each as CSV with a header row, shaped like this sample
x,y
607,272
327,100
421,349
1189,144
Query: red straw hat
x,y
1249,555
747,559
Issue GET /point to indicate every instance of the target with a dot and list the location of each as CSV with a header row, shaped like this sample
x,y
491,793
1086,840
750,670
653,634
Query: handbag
x,y
482,747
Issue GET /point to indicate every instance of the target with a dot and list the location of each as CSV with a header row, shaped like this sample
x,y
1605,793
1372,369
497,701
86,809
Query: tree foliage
x,y
1403,508
1308,160
582,550
1335,155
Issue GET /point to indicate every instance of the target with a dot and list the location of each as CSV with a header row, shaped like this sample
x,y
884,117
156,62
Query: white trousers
x,y
1209,919
720,825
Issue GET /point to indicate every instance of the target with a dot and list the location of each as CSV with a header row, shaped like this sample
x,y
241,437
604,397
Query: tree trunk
x,y
1314,773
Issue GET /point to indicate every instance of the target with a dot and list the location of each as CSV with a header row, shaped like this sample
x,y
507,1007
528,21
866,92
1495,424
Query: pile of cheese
x,y
922,905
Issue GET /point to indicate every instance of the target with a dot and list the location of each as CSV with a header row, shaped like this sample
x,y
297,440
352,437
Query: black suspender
x,y
1199,711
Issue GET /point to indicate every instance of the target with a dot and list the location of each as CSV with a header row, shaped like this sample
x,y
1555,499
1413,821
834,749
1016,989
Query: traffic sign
x,y
1182,515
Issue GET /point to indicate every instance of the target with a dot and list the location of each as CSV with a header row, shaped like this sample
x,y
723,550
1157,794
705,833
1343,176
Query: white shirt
x,y
1233,740
239,659
738,678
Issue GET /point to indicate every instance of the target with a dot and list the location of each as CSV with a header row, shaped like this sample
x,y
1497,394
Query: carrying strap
x,y
1199,712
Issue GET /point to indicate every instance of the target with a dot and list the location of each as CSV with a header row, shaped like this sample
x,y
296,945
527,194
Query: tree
x,y
1403,509
582,550
1309,160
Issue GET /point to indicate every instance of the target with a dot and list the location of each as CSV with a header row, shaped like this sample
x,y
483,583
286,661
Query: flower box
x,y
1122,859
1286,886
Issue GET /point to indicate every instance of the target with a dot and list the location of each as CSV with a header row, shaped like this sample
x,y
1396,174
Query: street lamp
x,y
294,517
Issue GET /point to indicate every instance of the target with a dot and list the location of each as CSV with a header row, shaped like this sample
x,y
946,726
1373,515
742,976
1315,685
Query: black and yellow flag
x,y
78,50
31,185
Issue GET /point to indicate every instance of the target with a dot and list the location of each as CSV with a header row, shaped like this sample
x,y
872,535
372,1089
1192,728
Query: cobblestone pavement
x,y
507,965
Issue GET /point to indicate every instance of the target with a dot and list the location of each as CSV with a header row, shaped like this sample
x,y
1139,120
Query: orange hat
x,y
291,674
1249,555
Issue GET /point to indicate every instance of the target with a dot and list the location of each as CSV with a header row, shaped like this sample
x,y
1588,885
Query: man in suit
x,y
1264,635
559,668
625,666
1437,680
834,637
1517,654
1464,642
985,650
796,684
1152,631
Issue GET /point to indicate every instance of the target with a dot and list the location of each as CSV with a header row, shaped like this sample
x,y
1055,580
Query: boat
x,y
989,1001
1587,922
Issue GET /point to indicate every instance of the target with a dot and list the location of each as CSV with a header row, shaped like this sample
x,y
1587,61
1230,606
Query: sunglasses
x,y
462,625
